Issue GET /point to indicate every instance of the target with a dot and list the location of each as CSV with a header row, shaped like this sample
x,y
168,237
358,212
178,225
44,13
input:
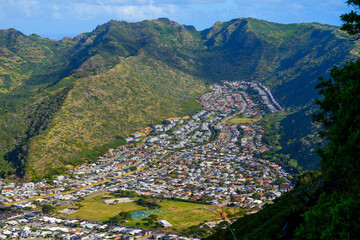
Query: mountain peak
x,y
11,33
165,20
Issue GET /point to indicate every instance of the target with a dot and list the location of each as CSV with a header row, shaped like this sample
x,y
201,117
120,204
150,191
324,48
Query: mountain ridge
x,y
161,54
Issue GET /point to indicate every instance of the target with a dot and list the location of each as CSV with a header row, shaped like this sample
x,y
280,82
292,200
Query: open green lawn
x,y
181,214
94,209
243,120
188,216
99,211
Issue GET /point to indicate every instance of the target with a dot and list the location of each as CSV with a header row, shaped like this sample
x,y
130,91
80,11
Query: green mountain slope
x,y
286,58
116,78
66,101
137,91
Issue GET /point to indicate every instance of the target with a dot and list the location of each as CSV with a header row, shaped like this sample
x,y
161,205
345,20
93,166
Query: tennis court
x,y
142,214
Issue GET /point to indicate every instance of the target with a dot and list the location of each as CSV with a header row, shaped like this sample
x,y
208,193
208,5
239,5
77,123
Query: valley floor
x,y
199,169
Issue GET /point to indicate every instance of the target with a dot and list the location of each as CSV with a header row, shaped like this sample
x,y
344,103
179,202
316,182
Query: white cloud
x,y
296,7
123,12
135,13
27,7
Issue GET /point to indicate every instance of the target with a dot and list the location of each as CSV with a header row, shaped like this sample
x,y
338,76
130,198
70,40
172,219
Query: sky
x,y
61,18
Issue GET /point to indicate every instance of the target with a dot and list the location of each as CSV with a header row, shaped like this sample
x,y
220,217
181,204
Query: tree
x,y
166,122
280,181
153,217
125,215
46,208
338,115
256,195
151,205
351,21
121,217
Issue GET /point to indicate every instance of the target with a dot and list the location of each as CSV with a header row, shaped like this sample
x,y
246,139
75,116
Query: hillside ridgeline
x,y
66,102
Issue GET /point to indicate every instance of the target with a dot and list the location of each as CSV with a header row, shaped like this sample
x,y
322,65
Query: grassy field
x,y
243,120
94,209
181,214
186,215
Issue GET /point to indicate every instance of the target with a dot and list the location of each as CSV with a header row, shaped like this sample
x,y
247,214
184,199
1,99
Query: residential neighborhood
x,y
203,158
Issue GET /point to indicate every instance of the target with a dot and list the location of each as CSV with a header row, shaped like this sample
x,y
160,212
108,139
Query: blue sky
x,y
60,18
